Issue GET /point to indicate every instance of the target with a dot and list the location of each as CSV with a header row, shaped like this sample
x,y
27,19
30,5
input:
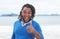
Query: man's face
x,y
26,14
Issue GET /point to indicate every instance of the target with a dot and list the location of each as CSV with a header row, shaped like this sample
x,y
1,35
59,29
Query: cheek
x,y
30,15
22,14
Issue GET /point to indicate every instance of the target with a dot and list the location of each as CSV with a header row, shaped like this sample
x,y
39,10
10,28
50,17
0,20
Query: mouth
x,y
26,19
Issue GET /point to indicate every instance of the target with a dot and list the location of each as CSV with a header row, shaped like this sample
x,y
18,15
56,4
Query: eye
x,y
29,12
23,11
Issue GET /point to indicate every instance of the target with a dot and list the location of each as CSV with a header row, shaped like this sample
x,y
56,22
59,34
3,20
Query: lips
x,y
26,18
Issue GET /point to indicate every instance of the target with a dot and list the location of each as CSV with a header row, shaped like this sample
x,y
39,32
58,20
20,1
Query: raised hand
x,y
30,28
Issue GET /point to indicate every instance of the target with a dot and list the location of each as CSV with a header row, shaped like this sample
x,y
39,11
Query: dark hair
x,y
28,6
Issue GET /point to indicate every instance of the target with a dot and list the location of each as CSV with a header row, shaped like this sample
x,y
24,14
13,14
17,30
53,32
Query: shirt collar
x,y
26,23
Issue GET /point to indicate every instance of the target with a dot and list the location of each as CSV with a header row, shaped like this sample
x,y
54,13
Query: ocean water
x,y
42,20
50,26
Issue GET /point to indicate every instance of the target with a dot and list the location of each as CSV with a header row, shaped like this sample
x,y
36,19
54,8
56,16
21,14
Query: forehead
x,y
26,8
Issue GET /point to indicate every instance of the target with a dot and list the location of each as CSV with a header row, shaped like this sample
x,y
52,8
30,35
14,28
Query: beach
x,y
50,26
6,32
49,32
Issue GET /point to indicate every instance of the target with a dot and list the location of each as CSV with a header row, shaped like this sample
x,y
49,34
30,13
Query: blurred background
x,y
47,15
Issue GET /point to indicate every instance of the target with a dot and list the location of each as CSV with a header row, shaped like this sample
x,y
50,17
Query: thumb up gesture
x,y
30,28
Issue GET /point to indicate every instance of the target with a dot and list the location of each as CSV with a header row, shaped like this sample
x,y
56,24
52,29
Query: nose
x,y
27,14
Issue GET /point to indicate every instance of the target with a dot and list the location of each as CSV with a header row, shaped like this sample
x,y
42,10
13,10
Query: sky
x,y
41,6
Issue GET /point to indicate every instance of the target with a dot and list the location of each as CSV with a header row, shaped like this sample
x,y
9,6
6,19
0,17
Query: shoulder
x,y
34,22
36,25
17,22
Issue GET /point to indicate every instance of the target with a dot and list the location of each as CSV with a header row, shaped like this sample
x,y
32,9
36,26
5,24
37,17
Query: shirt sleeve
x,y
14,28
13,36
38,29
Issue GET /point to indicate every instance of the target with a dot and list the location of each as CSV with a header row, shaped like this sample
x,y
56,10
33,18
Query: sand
x,y
49,32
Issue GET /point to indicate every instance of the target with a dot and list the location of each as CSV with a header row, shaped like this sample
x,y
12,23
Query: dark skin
x,y
27,14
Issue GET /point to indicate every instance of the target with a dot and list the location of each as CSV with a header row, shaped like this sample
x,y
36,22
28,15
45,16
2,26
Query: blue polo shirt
x,y
20,31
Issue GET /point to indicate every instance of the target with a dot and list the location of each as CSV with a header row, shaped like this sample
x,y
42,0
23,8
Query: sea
x,y
50,26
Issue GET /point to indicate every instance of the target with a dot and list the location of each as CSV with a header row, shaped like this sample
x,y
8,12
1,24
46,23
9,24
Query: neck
x,y
23,22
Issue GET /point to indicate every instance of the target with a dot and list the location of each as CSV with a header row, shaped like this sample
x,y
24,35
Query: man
x,y
26,27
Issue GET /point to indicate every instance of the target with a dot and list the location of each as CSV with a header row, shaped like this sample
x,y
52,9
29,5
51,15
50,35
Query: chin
x,y
26,21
